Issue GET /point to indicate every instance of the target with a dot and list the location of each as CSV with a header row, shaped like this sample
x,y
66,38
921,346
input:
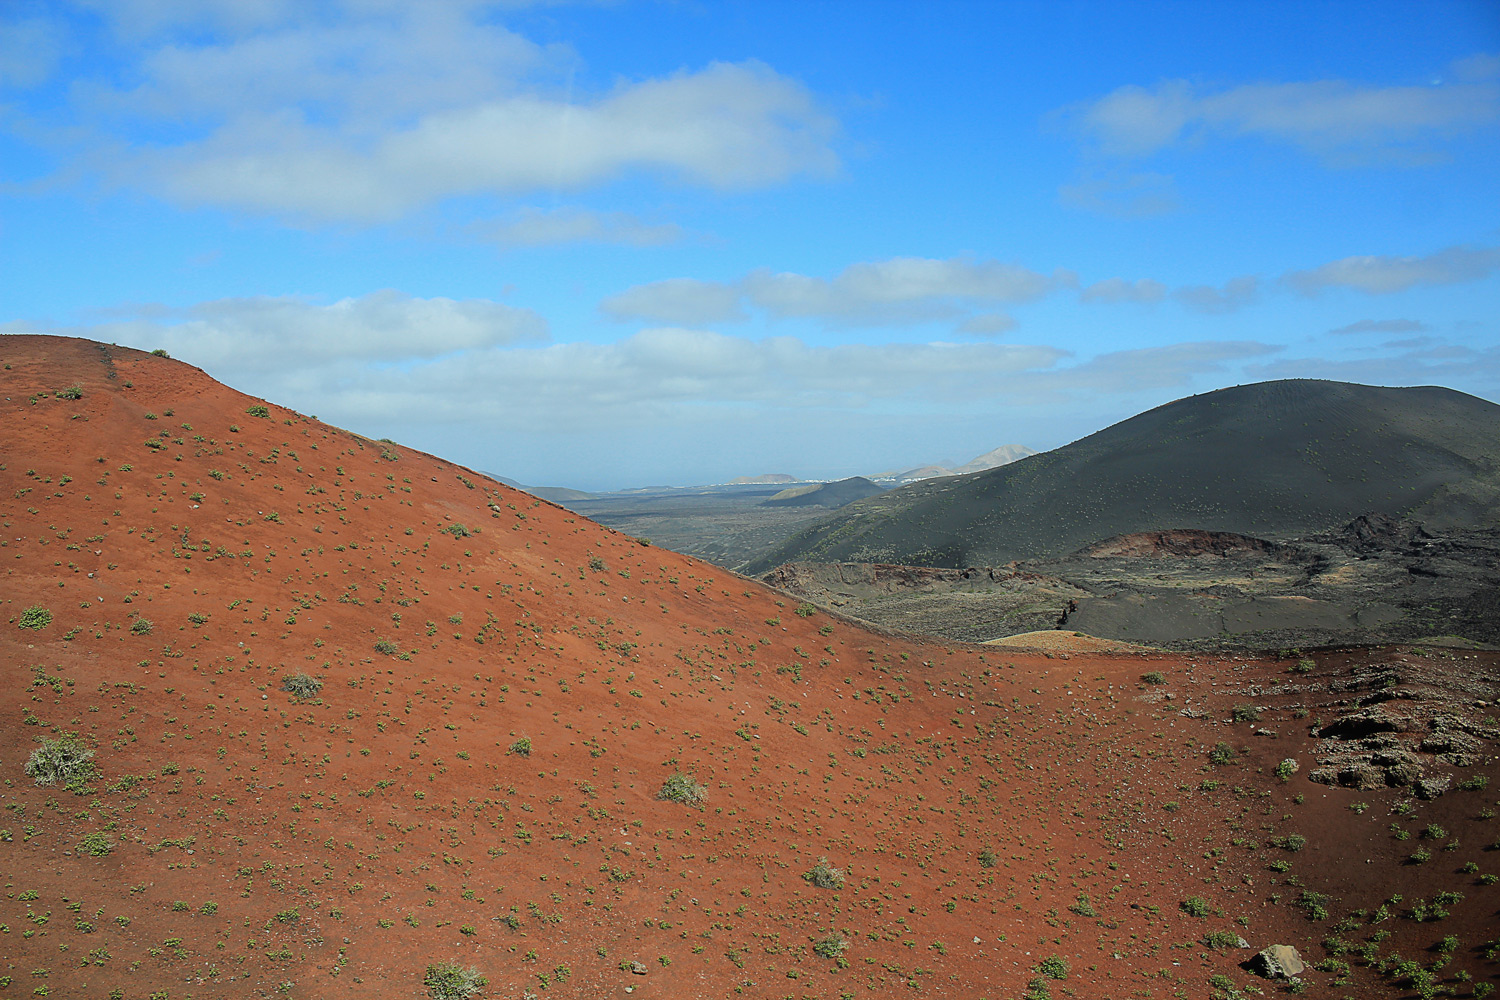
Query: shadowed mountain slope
x,y
1274,459
355,710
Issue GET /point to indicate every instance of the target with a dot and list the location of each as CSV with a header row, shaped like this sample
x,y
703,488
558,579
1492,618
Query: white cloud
x,y
539,227
684,301
1381,275
270,335
29,49
1324,116
1113,290
727,126
659,376
898,290
987,324
893,292
365,110
1136,196
1235,295
386,358
1380,326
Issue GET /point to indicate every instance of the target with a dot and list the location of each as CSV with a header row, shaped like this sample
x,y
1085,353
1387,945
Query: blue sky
x,y
625,244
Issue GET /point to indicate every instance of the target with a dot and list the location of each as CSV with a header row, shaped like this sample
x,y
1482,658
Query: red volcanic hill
x,y
356,711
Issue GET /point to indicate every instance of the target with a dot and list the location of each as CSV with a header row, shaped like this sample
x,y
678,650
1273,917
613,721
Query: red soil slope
x,y
989,809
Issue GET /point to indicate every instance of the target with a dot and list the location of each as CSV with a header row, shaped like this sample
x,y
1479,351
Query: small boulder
x,y
1430,788
1280,961
639,968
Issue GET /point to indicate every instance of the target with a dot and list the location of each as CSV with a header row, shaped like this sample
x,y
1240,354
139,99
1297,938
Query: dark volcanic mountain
x,y
1273,459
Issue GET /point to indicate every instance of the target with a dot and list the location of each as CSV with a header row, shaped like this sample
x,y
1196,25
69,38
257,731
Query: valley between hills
x,y
291,712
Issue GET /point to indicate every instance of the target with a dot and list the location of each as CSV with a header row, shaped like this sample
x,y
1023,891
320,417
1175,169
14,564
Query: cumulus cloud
x,y
1324,116
893,292
539,227
683,301
1381,275
898,290
1113,290
1235,295
987,324
29,48
1137,196
268,334
363,112
389,359
1380,326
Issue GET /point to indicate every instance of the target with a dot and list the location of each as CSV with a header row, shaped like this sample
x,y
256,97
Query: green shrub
x,y
683,788
1084,906
1245,713
521,747
1291,842
824,875
1221,940
258,411
66,760
36,617
160,352
302,686
988,858
71,392
95,845
450,981
805,610
387,647
1302,666
1222,753
1195,906
1037,989
1154,677
831,946
1053,967
1286,769
141,626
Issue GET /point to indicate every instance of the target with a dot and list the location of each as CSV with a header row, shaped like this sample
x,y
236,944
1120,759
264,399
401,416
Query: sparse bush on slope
x,y
66,760
451,981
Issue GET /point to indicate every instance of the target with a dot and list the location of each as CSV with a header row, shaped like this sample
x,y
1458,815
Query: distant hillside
x,y
845,491
1271,459
913,475
993,459
556,494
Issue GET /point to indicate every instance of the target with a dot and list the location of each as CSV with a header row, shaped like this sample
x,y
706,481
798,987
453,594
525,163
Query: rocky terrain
x,y
290,712
1374,580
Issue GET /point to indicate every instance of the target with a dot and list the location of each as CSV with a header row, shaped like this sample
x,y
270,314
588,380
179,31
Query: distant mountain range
x,y
1002,455
1273,459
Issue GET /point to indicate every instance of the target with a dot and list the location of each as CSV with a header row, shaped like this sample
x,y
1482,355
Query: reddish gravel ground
x,y
507,687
